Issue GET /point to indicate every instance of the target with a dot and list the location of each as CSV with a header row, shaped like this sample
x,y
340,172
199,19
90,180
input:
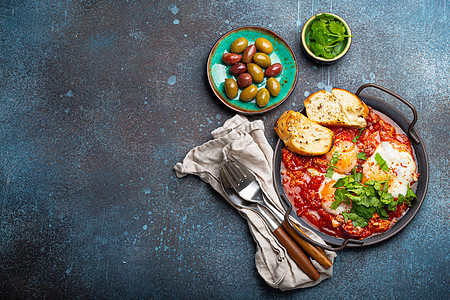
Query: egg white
x,y
402,167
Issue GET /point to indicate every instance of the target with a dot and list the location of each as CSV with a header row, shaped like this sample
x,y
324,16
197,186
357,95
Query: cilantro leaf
x,y
340,195
337,27
358,177
386,198
329,55
374,202
392,206
325,17
361,155
317,49
357,137
326,36
409,196
381,162
366,199
329,173
383,214
410,193
357,220
340,182
319,25
362,211
334,160
335,204
319,32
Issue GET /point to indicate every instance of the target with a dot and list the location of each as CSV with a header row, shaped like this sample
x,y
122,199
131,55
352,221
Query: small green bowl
x,y
345,45
282,53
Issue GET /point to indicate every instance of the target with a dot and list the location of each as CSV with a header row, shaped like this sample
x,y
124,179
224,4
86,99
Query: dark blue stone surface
x,y
98,101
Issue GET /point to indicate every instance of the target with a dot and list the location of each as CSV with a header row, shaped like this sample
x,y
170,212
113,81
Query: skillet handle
x,y
411,134
295,230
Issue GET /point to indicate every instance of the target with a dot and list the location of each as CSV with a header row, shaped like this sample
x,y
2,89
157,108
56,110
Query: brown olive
x,y
273,86
231,88
238,69
249,93
248,54
262,97
262,59
264,45
256,72
239,45
244,80
273,70
231,58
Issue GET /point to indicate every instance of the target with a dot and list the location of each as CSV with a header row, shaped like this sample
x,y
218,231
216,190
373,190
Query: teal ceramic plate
x,y
218,71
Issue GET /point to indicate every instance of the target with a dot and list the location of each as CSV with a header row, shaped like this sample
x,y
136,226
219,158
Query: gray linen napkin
x,y
247,142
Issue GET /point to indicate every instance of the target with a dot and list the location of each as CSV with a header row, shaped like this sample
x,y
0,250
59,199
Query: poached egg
x,y
402,167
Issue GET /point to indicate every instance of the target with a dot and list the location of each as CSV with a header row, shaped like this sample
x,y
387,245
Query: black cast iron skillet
x,y
422,185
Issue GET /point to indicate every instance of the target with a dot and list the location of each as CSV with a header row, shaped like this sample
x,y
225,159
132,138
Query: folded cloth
x,y
248,144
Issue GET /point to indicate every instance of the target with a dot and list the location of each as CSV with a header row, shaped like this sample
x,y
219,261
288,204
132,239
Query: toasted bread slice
x,y
338,108
303,136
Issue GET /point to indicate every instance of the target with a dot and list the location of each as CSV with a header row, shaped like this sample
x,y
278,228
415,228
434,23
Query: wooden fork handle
x,y
312,250
296,253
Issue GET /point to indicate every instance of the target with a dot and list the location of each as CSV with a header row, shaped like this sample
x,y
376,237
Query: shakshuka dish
x,y
361,187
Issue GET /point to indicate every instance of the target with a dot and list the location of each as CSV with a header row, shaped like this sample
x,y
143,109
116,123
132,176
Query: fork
x,y
244,183
295,252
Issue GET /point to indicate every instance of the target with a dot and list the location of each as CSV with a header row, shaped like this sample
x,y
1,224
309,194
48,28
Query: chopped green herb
x,y
359,134
329,173
381,162
366,199
336,204
407,198
334,160
361,155
327,36
410,193
383,214
357,220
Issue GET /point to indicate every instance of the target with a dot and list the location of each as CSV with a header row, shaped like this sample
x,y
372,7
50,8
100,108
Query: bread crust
x,y
303,136
338,108
365,108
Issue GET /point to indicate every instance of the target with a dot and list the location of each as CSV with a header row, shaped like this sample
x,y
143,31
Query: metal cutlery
x,y
244,183
241,203
282,236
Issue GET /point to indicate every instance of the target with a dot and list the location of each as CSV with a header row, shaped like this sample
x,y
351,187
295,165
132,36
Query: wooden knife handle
x,y
315,252
296,253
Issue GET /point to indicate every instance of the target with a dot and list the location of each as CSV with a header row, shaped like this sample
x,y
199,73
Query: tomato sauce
x,y
303,189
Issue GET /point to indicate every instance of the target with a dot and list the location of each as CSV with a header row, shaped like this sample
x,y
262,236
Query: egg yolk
x,y
327,195
328,189
347,156
371,171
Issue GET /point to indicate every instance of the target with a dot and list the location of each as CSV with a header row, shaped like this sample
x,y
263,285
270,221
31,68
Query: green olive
x,y
262,97
256,72
264,45
239,45
231,88
262,59
273,86
249,93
